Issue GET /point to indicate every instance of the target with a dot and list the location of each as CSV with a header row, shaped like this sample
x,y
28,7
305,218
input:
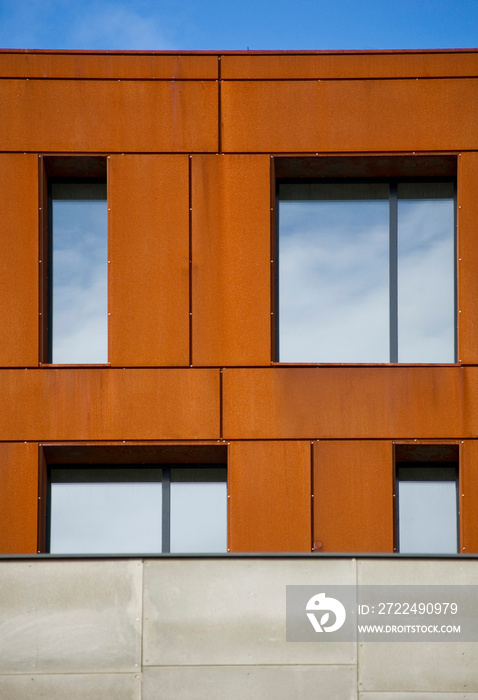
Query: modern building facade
x,y
238,313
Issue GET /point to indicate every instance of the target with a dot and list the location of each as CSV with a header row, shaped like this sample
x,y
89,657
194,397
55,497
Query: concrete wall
x,y
197,629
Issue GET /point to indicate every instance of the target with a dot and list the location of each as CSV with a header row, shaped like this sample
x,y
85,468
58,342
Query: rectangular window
x,y
136,509
366,271
426,495
78,279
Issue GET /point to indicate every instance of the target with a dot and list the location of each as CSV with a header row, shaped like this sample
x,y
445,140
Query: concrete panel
x,y
325,66
419,666
70,616
109,115
19,302
93,686
417,696
148,253
420,572
18,497
353,495
433,667
335,115
253,683
350,402
429,667
232,612
274,515
109,404
28,64
231,273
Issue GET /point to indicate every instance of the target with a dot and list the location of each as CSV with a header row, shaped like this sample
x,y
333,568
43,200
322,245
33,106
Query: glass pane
x,y
106,517
426,273
79,278
334,273
428,514
198,510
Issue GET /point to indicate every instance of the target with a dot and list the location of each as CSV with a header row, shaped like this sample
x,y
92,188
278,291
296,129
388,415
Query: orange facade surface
x,y
193,144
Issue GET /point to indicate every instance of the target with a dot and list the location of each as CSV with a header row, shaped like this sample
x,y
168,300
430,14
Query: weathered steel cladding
x,y
189,141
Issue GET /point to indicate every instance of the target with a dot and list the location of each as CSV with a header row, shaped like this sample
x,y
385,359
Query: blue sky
x,y
238,24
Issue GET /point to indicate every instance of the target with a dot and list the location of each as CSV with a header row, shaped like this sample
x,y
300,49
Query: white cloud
x,y
84,24
112,25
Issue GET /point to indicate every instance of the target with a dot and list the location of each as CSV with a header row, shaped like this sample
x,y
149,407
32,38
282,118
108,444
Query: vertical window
x,y
366,271
73,294
78,272
133,509
427,499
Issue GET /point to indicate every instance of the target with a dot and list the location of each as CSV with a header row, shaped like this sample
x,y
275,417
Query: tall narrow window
x,y
366,271
78,328
427,499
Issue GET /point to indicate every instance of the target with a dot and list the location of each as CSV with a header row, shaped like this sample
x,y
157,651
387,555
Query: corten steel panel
x,y
269,486
336,116
148,253
468,497
353,495
102,115
18,498
109,404
107,66
467,218
350,402
19,260
231,243
351,65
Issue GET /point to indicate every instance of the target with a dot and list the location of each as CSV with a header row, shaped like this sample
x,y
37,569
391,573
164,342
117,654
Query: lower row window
x,y
426,496
136,509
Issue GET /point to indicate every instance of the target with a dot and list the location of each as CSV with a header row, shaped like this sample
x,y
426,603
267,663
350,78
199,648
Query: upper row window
x,y
78,280
366,271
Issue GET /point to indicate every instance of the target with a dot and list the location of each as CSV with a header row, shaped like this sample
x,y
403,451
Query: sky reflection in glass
x,y
79,279
334,273
335,290
198,510
115,517
426,273
428,517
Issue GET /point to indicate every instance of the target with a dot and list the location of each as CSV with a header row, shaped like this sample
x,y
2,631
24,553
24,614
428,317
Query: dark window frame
x,y
421,457
318,167
392,183
105,456
57,169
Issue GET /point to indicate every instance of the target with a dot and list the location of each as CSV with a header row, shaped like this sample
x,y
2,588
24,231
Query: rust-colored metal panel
x,y
19,304
31,64
342,65
109,404
468,497
18,498
335,116
148,253
109,115
350,402
353,496
231,244
269,496
467,265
